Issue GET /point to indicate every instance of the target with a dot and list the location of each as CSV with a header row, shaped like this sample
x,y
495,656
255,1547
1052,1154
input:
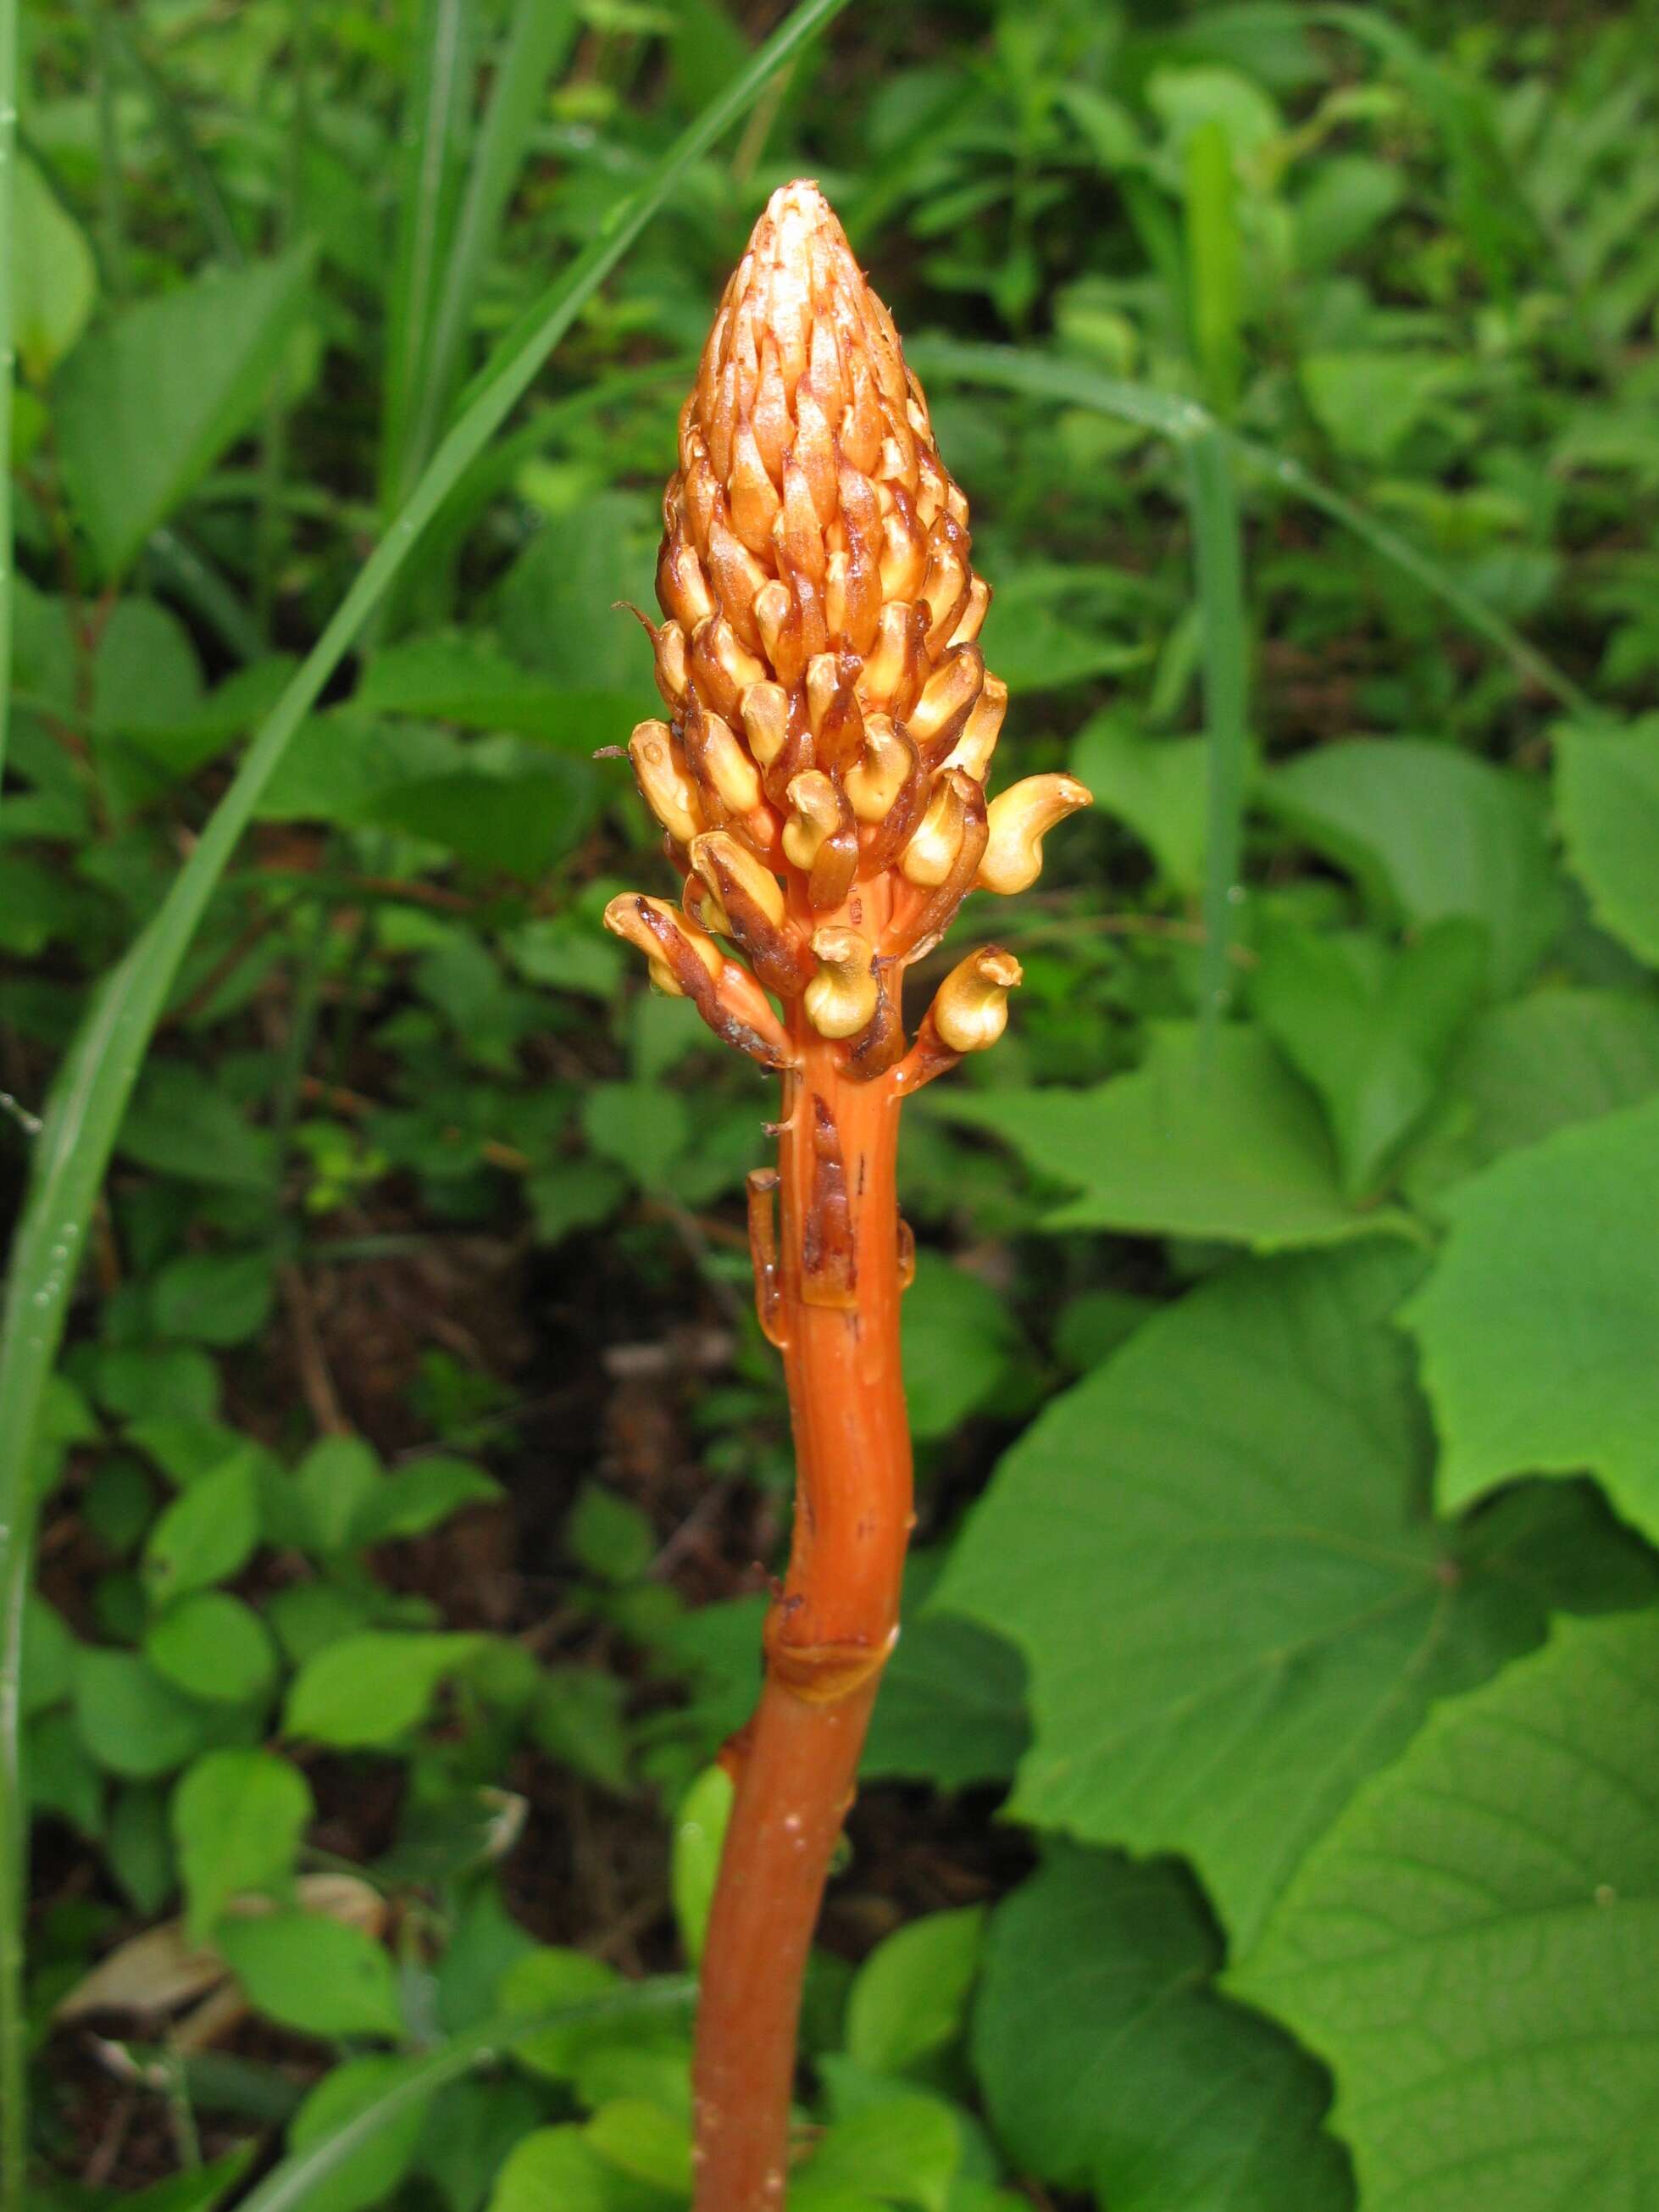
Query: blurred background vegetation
x,y
412,1474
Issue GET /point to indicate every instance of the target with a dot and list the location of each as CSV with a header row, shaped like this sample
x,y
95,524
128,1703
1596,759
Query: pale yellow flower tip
x,y
1019,818
971,1008
842,996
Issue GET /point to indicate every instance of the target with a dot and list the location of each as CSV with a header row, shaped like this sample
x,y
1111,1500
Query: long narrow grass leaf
x,y
436,117
542,31
1219,561
288,2187
1074,384
91,1093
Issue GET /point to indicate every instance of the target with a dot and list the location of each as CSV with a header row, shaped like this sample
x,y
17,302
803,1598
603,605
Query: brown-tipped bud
x,y
673,946
896,665
948,697
682,587
737,576
927,859
753,899
1019,818
903,550
754,498
974,613
721,667
778,619
660,772
765,713
970,1007
823,685
673,663
978,741
945,587
842,996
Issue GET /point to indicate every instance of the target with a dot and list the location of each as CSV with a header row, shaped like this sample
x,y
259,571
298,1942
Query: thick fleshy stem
x,y
833,1303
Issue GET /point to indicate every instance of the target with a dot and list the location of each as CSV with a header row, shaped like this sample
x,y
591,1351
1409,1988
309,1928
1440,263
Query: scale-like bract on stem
x,y
821,781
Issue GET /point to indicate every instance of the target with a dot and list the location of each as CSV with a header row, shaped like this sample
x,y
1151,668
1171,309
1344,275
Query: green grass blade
x,y
1074,384
1219,561
8,161
92,1090
288,2187
542,32
435,131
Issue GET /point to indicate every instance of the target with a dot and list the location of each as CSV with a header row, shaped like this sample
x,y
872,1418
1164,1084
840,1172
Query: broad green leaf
x,y
198,2189
1539,1324
642,1126
904,2150
1474,1948
421,1498
700,1826
370,2175
138,1847
609,1536
458,679
205,1536
49,1652
1368,1027
136,435
521,823
1158,786
1430,832
1217,1555
910,1994
1368,404
1231,1147
54,279
180,1125
1525,1070
132,1721
306,1971
237,1820
645,2142
543,1980
213,1646
369,1689
1607,800
578,1715
961,1343
1110,2062
215,1297
341,1485
559,2167
563,602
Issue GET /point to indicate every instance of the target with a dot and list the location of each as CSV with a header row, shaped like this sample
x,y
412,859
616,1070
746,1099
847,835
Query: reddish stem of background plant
x,y
828,1635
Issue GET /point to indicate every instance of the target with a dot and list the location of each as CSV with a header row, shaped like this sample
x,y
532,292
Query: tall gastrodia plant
x,y
822,780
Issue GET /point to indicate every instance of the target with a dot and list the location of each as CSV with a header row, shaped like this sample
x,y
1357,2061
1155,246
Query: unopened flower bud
x,y
1019,818
664,783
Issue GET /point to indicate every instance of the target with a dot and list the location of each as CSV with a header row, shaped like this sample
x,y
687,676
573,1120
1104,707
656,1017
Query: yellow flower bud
x,y
1020,818
664,783
842,996
970,1007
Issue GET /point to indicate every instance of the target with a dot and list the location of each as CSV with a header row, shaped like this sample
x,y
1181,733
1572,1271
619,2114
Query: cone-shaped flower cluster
x,y
830,723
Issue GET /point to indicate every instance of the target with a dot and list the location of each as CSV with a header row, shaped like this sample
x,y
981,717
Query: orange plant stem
x,y
836,1311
